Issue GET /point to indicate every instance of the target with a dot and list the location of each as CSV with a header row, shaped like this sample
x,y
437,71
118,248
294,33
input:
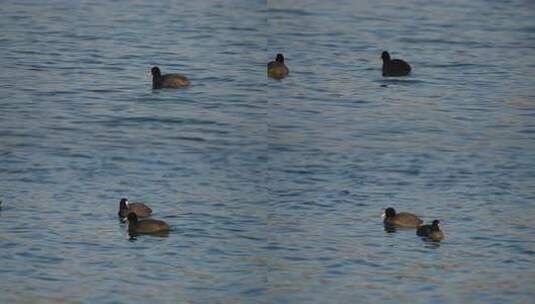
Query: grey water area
x,y
273,189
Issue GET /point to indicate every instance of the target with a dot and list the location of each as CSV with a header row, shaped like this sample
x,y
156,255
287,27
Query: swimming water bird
x,y
277,69
400,220
160,81
394,67
145,226
432,231
139,209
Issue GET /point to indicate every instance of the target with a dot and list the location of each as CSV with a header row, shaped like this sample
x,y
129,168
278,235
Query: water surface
x,y
273,189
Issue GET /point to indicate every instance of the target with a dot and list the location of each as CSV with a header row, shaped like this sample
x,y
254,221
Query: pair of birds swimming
x,y
138,222
409,220
277,70
391,67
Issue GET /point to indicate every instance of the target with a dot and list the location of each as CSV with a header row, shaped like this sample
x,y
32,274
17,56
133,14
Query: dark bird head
x,y
279,58
389,212
123,204
155,71
385,56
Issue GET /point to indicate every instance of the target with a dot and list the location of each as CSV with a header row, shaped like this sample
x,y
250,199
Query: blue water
x,y
273,189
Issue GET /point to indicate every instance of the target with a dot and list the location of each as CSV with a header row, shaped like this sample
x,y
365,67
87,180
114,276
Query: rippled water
x,y
273,189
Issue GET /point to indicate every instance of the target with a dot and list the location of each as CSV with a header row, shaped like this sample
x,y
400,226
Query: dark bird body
x,y
277,69
160,81
432,231
140,209
401,220
145,226
394,67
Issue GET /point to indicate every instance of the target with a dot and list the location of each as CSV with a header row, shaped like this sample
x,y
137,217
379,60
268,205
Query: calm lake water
x,y
273,189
